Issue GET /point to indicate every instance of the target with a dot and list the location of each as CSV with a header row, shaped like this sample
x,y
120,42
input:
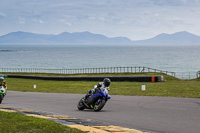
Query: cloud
x,y
38,21
68,24
65,22
136,19
21,20
175,3
156,15
101,19
2,14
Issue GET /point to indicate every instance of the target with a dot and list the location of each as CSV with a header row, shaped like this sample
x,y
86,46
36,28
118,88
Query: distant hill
x,y
24,37
179,38
63,38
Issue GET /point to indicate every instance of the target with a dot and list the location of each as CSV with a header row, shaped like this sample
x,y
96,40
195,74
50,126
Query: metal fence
x,y
137,69
186,75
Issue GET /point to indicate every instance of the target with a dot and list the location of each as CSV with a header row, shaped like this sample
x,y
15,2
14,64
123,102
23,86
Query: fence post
x,y
198,74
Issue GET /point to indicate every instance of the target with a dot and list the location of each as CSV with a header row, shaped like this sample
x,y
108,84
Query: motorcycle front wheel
x,y
99,105
81,105
1,98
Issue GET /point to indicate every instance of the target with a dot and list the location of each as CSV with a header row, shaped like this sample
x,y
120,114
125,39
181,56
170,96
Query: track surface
x,y
156,114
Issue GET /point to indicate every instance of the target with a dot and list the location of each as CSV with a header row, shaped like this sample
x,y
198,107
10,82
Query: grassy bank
x,y
15,122
172,87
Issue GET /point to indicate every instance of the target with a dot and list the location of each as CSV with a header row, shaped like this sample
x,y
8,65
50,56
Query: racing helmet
x,y
1,79
106,82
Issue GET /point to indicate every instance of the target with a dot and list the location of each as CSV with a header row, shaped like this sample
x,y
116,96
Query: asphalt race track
x,y
154,114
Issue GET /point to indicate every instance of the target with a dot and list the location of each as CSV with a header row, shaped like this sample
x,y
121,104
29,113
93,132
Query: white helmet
x,y
1,78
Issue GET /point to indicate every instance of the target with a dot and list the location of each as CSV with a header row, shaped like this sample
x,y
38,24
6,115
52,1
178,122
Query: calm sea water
x,y
176,59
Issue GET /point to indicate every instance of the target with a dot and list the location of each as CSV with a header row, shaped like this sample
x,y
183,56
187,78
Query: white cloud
x,y
65,22
38,21
136,19
101,18
21,20
176,19
91,18
2,14
121,22
68,23
156,15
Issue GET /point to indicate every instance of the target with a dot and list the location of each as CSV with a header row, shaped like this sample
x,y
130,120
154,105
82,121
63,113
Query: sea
x,y
166,58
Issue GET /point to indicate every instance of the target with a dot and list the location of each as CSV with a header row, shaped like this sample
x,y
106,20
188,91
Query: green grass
x,y
15,122
171,87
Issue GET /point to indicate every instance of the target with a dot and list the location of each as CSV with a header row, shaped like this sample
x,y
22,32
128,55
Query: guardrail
x,y
136,69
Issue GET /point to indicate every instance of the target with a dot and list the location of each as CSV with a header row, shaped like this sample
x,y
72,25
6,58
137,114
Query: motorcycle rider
x,y
101,86
3,83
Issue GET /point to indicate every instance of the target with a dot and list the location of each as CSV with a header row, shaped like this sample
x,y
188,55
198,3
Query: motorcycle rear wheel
x,y
81,105
99,105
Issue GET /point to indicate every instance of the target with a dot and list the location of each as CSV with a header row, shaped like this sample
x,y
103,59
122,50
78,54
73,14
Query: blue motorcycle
x,y
96,101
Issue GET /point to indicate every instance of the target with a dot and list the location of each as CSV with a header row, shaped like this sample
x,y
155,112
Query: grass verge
x,y
172,87
16,122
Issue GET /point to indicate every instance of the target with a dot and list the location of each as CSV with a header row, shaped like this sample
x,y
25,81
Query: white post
x,y
143,88
34,86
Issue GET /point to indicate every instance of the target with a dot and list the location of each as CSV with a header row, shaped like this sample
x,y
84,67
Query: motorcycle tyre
x,y
4,95
100,106
1,98
81,105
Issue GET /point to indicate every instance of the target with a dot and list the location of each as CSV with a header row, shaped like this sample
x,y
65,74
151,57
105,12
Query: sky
x,y
135,19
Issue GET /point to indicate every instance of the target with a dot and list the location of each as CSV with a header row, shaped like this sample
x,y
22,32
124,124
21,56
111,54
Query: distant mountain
x,y
24,37
178,38
63,38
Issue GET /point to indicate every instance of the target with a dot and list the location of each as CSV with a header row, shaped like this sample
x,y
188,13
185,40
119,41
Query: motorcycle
x,y
96,101
2,93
